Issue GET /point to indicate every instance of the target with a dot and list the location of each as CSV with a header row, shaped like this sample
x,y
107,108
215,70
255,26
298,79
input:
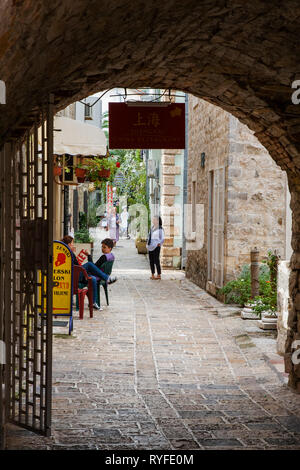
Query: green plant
x,y
272,263
92,218
82,220
266,302
237,291
82,236
140,239
97,165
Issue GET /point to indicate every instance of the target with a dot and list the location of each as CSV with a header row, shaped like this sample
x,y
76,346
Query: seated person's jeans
x,y
93,271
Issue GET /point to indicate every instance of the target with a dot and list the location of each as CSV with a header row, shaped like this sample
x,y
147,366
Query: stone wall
x,y
255,190
282,304
208,133
293,333
169,190
240,56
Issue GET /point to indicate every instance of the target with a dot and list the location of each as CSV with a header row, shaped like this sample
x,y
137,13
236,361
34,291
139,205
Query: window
x,y
88,112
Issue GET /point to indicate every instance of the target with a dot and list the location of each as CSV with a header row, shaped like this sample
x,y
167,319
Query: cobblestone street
x,y
165,366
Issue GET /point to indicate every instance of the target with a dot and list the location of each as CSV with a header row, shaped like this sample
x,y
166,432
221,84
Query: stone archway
x,y
239,56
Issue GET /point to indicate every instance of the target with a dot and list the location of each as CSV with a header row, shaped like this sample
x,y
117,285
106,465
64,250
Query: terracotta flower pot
x,y
80,174
57,170
104,173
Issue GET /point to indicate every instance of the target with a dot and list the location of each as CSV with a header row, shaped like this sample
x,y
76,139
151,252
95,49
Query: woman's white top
x,y
157,238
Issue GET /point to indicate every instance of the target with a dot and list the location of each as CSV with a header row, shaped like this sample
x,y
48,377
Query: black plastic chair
x,y
107,269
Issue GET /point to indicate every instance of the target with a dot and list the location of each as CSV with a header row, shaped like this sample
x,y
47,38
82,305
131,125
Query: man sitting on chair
x,y
95,269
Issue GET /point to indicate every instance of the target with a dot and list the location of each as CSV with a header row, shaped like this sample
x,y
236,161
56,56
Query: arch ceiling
x,y
242,56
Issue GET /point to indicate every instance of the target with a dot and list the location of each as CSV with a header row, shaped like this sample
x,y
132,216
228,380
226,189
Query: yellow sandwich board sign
x,y
62,279
62,282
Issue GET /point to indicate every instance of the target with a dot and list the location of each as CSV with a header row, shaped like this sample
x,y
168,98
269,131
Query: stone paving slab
x,y
165,366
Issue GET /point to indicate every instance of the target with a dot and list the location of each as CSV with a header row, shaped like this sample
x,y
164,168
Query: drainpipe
x,y
66,210
185,180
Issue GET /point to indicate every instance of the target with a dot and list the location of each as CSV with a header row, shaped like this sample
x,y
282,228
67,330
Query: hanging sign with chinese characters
x,y
147,126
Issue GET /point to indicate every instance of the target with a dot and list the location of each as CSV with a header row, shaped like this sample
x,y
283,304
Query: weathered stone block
x,y
235,172
297,301
168,159
295,260
168,179
168,200
170,251
172,231
171,170
167,262
170,190
173,210
234,219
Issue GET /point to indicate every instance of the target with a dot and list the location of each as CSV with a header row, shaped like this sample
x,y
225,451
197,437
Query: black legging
x,y
154,260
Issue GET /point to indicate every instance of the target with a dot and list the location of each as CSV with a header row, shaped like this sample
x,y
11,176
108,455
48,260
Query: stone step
x,y
266,325
228,311
248,314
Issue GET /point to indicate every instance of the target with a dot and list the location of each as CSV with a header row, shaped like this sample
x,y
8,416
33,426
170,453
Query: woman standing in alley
x,y
155,240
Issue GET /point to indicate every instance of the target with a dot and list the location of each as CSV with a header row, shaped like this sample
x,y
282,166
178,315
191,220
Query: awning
x,y
77,138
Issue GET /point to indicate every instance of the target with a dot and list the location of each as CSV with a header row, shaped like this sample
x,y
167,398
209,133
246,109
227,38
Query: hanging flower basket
x,y
57,170
104,173
80,174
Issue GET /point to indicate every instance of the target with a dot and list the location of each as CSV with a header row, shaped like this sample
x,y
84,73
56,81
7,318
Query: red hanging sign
x,y
147,127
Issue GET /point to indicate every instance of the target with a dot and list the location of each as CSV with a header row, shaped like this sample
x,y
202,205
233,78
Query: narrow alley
x,y
165,366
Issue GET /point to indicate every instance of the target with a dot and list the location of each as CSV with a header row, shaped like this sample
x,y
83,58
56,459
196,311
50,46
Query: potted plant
x,y
101,169
57,170
140,244
104,173
81,172
58,165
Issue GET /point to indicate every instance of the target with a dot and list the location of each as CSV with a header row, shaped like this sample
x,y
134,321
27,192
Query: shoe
x,y
152,277
112,279
97,307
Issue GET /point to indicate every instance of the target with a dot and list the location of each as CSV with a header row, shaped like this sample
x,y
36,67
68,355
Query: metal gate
x,y
26,224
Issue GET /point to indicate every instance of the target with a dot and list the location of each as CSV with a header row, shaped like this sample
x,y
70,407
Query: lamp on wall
x,y
202,160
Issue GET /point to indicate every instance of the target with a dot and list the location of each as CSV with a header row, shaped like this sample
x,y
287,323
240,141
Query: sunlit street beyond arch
x,y
165,366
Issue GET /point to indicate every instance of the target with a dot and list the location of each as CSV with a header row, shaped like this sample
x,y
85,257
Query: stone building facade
x,y
242,193
166,199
